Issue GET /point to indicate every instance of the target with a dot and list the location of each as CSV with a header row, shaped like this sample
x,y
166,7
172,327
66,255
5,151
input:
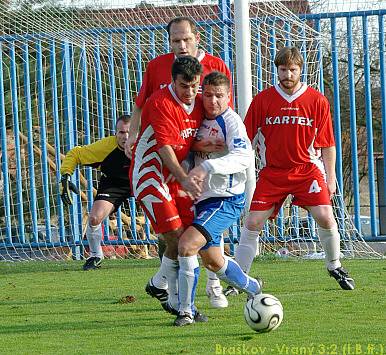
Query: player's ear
x,y
198,38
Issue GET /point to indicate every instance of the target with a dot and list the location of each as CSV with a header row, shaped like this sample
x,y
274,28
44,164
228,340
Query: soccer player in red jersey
x,y
290,124
184,40
170,120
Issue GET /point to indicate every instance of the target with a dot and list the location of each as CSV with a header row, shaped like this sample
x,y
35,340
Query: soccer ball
x,y
263,313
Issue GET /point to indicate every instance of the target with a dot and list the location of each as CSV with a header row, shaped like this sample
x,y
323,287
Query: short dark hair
x,y
288,56
124,118
187,66
180,19
216,78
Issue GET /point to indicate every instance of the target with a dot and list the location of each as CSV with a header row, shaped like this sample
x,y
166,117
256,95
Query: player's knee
x,y
326,220
94,220
187,246
185,249
254,225
327,223
212,265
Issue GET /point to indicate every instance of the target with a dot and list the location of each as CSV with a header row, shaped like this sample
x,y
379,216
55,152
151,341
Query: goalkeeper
x,y
113,189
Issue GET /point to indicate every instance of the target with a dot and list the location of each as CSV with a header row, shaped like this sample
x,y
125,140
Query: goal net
x,y
69,69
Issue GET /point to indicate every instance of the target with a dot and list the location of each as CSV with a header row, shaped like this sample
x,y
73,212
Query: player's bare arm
x,y
208,145
329,158
170,160
134,130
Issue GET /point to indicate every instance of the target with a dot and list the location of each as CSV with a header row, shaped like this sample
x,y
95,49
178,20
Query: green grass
x,y
55,308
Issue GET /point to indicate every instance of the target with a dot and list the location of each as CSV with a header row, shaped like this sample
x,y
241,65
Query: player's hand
x,y
209,145
129,145
198,174
331,185
192,187
67,187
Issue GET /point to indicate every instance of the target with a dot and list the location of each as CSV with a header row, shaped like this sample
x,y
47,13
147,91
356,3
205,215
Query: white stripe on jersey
x,y
260,143
141,158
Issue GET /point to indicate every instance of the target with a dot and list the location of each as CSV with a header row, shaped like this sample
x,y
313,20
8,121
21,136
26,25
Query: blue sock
x,y
233,275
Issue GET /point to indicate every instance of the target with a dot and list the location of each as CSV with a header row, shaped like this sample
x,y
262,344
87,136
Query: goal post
x,y
243,56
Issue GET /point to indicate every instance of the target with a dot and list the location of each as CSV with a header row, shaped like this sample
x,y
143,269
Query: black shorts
x,y
114,191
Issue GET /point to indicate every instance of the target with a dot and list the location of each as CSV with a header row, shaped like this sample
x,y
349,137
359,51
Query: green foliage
x,y
55,308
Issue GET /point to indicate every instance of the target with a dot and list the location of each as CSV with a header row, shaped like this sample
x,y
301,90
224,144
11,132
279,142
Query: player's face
x,y
182,40
122,133
186,91
289,77
215,100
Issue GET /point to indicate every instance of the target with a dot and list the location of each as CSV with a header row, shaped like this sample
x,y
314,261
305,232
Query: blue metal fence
x,y
372,59
66,121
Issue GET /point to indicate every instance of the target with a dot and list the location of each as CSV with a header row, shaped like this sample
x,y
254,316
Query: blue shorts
x,y
215,215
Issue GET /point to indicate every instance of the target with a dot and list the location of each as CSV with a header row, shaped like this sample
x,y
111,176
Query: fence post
x,y
381,195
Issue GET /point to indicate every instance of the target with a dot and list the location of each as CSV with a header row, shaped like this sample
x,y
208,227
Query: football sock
x,y
247,248
187,282
94,237
330,240
170,268
233,275
160,280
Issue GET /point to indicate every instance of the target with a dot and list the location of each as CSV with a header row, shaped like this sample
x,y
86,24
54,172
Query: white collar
x,y
187,108
293,97
200,55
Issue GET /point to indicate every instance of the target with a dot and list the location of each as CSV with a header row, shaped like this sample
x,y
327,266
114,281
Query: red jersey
x,y
289,130
159,74
166,121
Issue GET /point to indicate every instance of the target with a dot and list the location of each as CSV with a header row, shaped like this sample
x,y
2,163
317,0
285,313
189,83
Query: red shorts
x,y
306,183
168,207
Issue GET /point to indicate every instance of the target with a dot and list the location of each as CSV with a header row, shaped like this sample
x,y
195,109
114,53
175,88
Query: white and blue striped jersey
x,y
227,170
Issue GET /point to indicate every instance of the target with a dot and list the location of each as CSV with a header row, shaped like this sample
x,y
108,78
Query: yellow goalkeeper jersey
x,y
104,154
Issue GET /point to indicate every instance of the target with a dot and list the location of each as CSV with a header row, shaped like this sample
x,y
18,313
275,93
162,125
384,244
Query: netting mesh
x,y
68,70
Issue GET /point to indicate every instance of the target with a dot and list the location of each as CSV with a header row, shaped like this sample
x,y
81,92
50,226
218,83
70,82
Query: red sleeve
x,y
145,91
162,120
325,134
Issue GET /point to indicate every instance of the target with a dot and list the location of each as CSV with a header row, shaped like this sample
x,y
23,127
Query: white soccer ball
x,y
263,313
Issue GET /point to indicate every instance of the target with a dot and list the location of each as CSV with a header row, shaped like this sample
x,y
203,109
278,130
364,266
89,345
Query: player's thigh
x,y
323,215
190,242
255,220
99,211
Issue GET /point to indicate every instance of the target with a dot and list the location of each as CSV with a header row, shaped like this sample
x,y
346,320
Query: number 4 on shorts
x,y
314,187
